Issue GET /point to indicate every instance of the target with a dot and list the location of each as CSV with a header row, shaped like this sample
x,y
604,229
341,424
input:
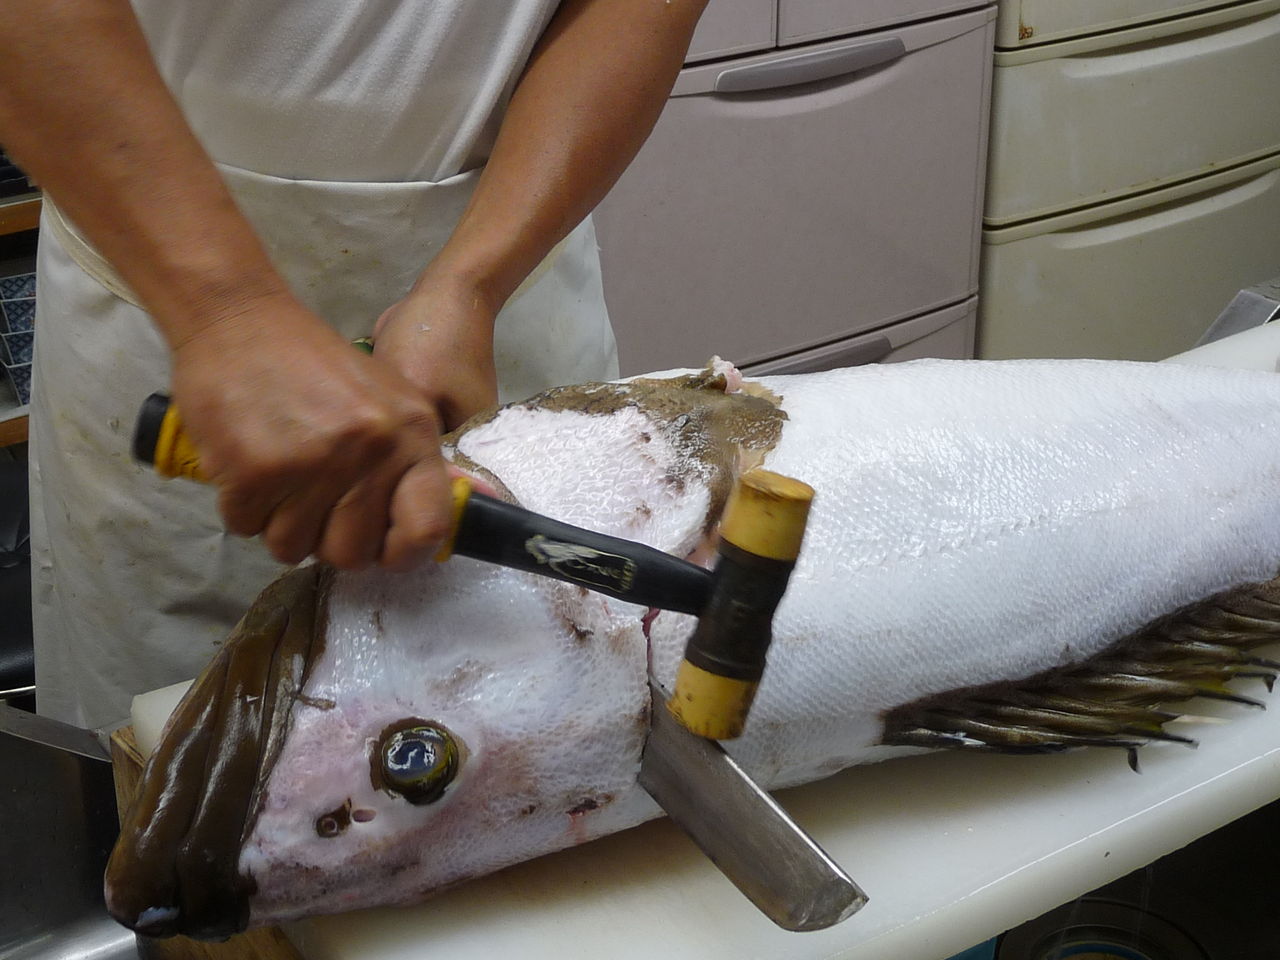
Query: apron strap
x,y
95,264
88,259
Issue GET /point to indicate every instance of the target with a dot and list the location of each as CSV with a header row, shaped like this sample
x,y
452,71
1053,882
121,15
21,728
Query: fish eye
x,y
418,762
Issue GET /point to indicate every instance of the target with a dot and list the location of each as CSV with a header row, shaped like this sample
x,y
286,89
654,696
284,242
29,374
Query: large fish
x,y
1022,556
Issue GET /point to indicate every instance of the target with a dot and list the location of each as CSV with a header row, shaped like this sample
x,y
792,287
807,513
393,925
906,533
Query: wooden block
x,y
126,767
13,431
19,214
264,943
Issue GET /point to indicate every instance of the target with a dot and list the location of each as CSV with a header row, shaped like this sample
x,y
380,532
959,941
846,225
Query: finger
x,y
260,484
295,528
356,528
382,321
246,509
248,501
421,515
459,399
478,484
247,498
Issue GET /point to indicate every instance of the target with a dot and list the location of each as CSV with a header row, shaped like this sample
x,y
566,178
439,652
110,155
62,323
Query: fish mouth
x,y
174,869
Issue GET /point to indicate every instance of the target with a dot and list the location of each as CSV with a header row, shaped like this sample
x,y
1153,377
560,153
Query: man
x,y
229,176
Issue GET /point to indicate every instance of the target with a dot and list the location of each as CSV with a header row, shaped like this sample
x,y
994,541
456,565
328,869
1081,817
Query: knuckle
x,y
258,470
354,532
238,515
425,532
345,555
371,430
426,420
241,526
285,545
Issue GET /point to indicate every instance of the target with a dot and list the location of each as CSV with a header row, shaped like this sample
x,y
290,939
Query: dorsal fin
x,y
1112,698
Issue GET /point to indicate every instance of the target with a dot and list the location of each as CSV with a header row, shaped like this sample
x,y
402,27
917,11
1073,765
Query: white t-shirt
x,y
351,133
362,90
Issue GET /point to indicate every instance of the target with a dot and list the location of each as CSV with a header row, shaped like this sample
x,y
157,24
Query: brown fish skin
x,y
175,868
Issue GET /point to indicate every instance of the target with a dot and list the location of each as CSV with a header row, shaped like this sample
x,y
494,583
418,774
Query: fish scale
x,y
1161,488
975,524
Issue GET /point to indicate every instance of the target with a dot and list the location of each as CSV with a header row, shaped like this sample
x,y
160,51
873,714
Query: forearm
x,y
84,110
587,101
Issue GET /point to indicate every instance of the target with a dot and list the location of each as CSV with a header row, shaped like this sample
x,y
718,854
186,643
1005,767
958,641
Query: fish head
x,y
367,739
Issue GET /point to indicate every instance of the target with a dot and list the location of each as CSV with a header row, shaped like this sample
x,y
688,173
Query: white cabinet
x,y
795,199
1128,279
1131,186
1028,22
1092,126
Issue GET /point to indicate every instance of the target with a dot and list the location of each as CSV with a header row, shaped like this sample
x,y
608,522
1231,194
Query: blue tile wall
x,y
21,287
17,346
19,315
20,377
17,332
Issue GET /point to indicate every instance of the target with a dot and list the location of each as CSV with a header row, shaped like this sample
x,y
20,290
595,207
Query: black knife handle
x,y
490,530
512,536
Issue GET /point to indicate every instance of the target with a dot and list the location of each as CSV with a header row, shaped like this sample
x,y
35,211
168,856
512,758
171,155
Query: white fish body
x,y
974,523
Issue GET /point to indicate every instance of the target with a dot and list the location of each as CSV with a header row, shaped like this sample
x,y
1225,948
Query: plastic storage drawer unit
x,y
940,333
734,26
797,198
1132,280
1069,129
1027,22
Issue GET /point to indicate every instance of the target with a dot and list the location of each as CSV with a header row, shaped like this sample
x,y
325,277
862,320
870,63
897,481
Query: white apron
x,y
135,581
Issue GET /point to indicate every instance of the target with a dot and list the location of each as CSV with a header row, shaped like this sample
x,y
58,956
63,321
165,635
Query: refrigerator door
x,y
788,200
1133,280
1084,129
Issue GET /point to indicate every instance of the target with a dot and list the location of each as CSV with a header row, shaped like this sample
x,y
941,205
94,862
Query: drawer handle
x,y
809,67
871,350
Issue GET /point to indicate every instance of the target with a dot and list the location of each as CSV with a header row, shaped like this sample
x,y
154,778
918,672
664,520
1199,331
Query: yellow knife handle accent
x,y
160,440
461,490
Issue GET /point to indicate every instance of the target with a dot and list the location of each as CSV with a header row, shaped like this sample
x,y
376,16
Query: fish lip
x,y
175,868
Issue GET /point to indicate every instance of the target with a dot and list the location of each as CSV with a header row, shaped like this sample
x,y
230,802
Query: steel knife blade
x,y
752,840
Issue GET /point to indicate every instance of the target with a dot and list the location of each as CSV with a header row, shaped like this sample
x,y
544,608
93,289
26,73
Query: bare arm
x,y
289,419
590,95
315,446
85,111
593,89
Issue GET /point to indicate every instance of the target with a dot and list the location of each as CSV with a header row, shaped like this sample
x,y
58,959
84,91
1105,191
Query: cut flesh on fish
x,y
1023,556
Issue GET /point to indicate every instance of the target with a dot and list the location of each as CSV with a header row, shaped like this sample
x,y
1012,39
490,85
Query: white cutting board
x,y
952,849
